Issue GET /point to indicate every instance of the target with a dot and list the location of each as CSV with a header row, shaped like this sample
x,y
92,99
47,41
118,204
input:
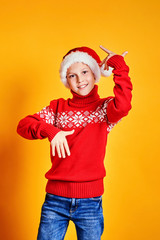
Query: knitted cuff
x,y
49,131
116,62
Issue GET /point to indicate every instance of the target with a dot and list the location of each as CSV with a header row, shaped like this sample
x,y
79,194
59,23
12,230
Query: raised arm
x,y
120,104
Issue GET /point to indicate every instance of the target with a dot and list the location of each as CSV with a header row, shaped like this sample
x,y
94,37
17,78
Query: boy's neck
x,y
84,100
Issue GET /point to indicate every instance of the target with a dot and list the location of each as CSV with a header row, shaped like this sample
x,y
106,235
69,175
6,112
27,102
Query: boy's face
x,y
80,78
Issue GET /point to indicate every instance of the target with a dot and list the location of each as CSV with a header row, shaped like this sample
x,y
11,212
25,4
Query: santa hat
x,y
87,56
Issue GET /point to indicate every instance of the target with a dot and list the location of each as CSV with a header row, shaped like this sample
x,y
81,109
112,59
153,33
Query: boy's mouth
x,y
83,86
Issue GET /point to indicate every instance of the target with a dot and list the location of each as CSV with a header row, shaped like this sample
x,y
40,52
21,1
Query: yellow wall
x,y
34,37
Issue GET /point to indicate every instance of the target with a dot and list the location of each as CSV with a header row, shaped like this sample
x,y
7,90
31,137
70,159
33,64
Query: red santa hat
x,y
87,56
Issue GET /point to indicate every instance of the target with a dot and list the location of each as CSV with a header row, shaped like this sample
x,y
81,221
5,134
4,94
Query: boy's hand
x,y
110,54
59,142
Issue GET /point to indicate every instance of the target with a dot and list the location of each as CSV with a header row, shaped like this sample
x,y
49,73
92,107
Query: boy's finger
x,y
124,53
69,132
103,61
106,67
53,150
105,49
58,150
62,150
67,147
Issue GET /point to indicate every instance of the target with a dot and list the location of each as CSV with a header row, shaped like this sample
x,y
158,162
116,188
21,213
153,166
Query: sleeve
x,y
119,105
39,125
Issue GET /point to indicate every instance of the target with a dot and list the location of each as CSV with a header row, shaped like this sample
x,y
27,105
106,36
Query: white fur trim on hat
x,y
79,56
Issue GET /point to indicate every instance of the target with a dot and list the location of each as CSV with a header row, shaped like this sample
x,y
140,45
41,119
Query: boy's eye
x,y
84,72
71,76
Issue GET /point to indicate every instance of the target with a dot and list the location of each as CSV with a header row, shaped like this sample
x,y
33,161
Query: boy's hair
x,y
87,56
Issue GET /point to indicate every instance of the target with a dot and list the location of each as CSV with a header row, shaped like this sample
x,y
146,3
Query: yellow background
x,y
34,37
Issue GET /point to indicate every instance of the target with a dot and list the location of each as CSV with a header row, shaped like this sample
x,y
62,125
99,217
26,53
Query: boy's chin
x,y
85,92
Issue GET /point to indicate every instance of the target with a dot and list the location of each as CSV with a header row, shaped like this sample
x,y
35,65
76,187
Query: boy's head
x,y
77,60
80,78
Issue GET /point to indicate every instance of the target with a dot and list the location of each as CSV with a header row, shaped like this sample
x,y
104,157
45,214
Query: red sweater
x,y
81,174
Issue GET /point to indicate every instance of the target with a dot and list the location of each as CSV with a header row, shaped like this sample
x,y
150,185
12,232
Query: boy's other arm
x,y
41,125
120,104
38,126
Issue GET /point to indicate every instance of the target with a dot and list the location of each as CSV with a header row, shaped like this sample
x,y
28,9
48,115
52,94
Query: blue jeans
x,y
86,213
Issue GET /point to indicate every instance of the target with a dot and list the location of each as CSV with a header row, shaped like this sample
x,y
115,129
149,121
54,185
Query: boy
x,y
77,129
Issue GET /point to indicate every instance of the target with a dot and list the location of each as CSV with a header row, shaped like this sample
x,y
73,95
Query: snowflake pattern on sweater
x,y
74,119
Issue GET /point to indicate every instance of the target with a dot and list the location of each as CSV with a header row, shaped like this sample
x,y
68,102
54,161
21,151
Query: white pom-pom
x,y
106,73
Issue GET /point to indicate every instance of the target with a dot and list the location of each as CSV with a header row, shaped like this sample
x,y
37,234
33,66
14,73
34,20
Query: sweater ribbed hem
x,y
75,189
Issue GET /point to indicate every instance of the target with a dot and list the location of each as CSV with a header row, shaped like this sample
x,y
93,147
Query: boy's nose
x,y
79,79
